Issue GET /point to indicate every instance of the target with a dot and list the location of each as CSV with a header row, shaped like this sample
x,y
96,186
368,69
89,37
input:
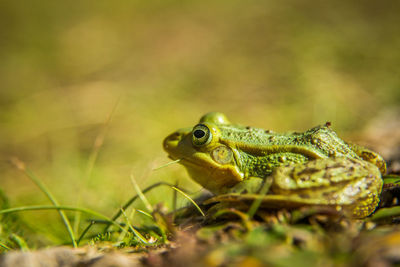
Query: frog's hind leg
x,y
370,156
365,207
351,184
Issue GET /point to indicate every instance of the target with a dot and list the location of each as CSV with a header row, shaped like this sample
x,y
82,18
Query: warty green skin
x,y
315,167
257,151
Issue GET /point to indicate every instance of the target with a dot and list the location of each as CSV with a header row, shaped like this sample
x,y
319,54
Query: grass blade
x,y
190,199
97,144
92,222
21,166
134,231
140,194
246,222
130,201
385,213
167,164
20,242
144,213
45,207
256,203
175,201
4,246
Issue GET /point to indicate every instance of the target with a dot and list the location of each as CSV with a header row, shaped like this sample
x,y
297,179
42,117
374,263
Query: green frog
x,y
312,168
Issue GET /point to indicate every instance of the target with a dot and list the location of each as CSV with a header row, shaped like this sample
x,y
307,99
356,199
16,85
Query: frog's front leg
x,y
251,185
352,184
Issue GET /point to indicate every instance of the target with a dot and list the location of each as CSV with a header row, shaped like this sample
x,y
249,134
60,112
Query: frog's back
x,y
318,142
326,140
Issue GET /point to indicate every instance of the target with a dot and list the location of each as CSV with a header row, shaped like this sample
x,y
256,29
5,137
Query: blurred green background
x,y
65,65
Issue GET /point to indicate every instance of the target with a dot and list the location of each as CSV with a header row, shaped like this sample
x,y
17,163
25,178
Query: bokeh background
x,y
89,89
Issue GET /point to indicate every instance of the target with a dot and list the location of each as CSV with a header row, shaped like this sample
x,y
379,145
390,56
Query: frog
x,y
310,168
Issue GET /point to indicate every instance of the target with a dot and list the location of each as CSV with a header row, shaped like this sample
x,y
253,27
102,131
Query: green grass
x,y
21,166
296,236
94,216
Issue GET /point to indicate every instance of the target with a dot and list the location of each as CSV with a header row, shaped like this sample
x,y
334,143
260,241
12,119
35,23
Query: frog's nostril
x,y
174,137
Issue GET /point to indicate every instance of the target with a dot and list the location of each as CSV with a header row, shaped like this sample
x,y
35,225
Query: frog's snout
x,y
171,141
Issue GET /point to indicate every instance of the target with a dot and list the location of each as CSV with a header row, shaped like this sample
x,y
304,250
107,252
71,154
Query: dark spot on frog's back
x,y
315,141
332,153
354,161
309,171
366,155
336,165
304,178
327,194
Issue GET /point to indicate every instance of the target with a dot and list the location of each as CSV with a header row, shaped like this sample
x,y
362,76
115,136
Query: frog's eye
x,y
201,135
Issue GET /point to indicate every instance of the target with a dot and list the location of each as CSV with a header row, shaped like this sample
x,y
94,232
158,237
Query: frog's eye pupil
x,y
199,133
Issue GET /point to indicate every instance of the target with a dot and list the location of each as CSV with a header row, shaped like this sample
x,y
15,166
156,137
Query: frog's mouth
x,y
186,161
176,155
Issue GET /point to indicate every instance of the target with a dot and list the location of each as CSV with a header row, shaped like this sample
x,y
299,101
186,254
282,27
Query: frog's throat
x,y
213,178
257,150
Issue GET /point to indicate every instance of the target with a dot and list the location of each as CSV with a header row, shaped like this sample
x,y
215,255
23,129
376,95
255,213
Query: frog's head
x,y
209,162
